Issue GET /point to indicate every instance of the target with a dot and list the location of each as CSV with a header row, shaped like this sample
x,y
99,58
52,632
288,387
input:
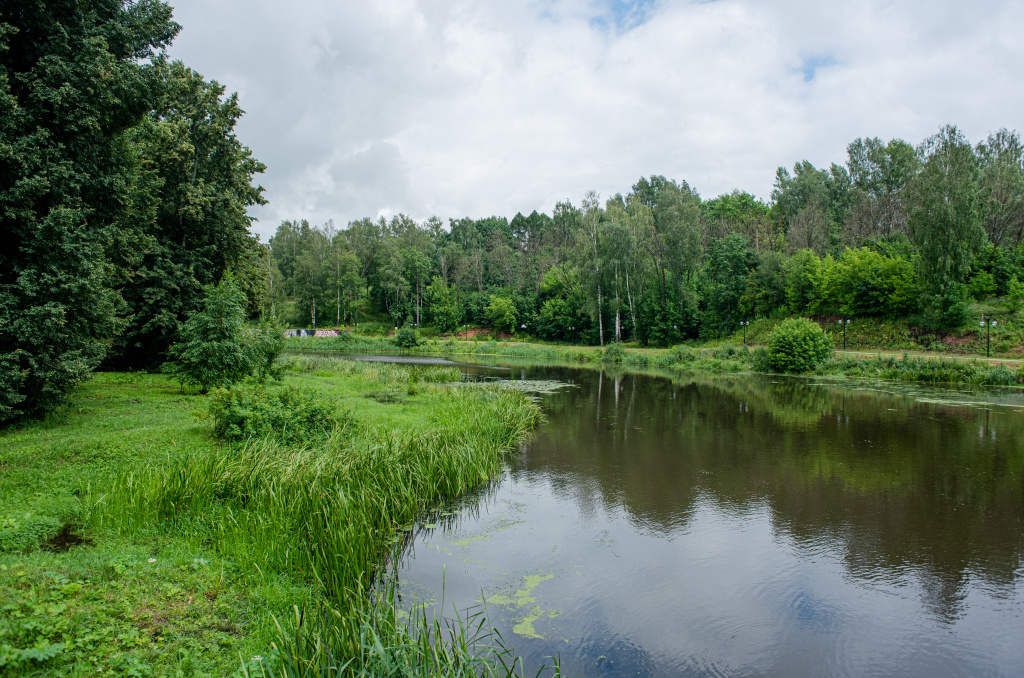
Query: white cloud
x,y
458,108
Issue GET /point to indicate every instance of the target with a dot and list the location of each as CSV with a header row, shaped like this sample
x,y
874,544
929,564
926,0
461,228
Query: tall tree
x,y
1001,159
74,77
945,222
199,227
880,174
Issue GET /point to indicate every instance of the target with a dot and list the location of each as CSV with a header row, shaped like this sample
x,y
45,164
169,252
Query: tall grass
x,y
331,515
924,370
386,374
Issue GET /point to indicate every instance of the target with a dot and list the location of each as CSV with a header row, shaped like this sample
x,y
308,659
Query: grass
x,y
184,556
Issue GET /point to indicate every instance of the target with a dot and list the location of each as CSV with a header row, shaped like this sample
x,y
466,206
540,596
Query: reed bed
x,y
331,515
384,374
925,370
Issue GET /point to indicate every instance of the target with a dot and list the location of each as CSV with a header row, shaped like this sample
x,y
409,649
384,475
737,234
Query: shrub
x,y
370,329
1015,294
724,352
614,353
759,359
406,338
797,345
266,347
291,414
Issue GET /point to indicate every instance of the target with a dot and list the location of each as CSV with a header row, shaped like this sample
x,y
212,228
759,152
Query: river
x,y
745,526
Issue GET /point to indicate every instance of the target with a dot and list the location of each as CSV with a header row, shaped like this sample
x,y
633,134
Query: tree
x,y
1001,179
501,313
201,176
880,174
74,77
944,217
216,349
442,305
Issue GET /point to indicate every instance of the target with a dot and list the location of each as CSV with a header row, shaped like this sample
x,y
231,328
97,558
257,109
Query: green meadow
x,y
133,542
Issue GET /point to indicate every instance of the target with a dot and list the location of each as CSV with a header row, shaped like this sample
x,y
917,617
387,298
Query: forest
x,y
897,231
124,193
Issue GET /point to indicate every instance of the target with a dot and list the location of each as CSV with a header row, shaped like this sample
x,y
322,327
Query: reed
x,y
331,515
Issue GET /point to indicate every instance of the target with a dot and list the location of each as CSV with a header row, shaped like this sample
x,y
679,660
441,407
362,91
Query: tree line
x,y
896,231
123,193
124,190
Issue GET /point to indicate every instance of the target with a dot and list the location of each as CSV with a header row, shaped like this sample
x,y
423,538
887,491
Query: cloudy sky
x,y
457,108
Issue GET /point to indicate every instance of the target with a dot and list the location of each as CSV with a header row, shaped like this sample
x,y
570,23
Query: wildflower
x,y
257,658
152,560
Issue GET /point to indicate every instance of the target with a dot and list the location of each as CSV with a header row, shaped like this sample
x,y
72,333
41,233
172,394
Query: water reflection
x,y
749,525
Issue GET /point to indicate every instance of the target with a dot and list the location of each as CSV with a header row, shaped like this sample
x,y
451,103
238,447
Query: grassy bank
x,y
134,543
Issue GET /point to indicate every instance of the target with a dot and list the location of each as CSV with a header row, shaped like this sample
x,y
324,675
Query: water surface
x,y
746,526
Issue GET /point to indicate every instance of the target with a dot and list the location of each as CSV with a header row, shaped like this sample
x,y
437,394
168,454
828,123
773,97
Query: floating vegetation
x,y
536,386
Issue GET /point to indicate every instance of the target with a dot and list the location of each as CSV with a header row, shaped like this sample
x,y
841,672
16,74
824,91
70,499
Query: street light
x,y
844,324
744,324
988,334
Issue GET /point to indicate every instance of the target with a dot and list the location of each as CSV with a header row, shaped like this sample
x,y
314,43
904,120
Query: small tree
x,y
216,349
797,345
502,314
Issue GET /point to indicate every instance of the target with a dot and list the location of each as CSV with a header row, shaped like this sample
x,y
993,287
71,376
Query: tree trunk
x,y
632,308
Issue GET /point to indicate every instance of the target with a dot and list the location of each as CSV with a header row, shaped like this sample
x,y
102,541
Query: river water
x,y
745,526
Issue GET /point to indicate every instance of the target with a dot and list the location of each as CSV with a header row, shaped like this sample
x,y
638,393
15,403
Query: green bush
x,y
797,345
290,414
371,329
266,347
614,353
1015,294
217,349
759,359
406,338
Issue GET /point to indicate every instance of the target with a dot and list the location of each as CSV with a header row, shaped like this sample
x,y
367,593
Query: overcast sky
x,y
453,108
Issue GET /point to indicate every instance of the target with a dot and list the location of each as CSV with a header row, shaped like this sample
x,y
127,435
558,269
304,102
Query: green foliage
x,y
613,353
124,190
267,346
72,80
983,285
444,309
501,313
406,337
289,414
950,309
797,345
217,349
331,513
195,178
730,260
944,219
804,280
1015,294
864,282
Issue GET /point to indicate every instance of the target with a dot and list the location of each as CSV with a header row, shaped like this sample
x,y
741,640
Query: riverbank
x,y
133,542
723,357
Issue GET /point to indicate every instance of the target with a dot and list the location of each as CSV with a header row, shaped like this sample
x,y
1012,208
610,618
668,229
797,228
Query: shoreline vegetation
x,y
728,356
136,543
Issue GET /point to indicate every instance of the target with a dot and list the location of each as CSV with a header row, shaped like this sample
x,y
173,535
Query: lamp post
x,y
843,323
988,334
744,324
